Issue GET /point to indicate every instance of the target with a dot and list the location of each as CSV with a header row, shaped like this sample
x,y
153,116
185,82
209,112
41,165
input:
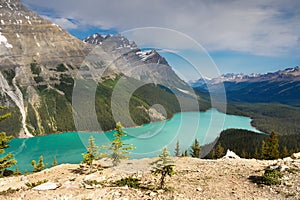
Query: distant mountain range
x,y
282,86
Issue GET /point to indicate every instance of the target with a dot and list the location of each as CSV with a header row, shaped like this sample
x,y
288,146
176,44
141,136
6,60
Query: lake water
x,y
148,139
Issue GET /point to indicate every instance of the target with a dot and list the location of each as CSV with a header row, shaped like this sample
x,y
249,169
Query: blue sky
x,y
256,36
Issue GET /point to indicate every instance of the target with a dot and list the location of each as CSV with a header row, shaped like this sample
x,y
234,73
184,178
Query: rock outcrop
x,y
27,38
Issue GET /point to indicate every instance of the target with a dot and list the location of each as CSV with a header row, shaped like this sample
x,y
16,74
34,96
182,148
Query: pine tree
x,y
256,154
17,171
219,152
244,154
8,160
264,153
195,149
92,152
38,167
270,148
54,161
163,166
273,146
118,149
184,153
285,152
213,153
177,149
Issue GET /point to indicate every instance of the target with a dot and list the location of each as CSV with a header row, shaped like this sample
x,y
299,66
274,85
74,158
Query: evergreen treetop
x,y
195,149
118,149
92,152
177,149
38,167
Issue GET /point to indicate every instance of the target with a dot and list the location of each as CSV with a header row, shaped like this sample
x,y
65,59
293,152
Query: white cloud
x,y
63,22
257,27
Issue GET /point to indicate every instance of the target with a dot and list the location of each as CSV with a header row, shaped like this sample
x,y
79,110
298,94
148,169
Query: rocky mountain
x,y
282,86
35,54
40,64
27,38
147,66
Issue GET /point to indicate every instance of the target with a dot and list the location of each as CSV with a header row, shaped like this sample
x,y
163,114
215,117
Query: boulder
x,y
46,186
231,154
296,155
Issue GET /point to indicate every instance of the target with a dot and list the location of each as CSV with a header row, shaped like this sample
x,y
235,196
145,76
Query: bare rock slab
x,y
46,186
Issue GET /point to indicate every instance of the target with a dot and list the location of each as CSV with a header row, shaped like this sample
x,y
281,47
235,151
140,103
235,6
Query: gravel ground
x,y
194,179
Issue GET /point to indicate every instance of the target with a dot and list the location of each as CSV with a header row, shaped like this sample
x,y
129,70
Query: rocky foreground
x,y
194,179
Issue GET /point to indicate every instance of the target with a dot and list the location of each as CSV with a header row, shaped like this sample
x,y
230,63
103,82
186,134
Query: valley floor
x,y
194,179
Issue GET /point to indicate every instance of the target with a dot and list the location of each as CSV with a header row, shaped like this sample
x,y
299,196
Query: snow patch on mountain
x,y
241,77
4,41
144,55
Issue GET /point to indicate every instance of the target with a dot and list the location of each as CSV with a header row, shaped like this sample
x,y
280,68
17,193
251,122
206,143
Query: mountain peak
x,y
26,37
117,40
148,66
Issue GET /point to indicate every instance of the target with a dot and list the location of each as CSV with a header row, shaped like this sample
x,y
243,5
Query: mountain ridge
x,y
282,86
240,77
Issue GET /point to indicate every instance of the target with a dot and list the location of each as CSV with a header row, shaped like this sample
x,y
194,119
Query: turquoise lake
x,y
148,139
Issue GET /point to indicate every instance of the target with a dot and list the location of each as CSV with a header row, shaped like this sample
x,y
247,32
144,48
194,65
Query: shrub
x,y
272,176
34,184
9,191
35,68
129,181
38,79
38,167
61,68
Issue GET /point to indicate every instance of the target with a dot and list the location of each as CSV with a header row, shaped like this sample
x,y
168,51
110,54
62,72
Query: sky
x,y
256,36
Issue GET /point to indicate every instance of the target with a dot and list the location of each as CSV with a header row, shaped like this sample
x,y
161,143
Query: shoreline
x,y
101,132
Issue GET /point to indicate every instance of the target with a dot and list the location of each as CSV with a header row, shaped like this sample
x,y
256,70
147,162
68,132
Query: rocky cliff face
x,y
34,54
28,38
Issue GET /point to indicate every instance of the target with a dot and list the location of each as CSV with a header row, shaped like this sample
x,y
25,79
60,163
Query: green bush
x,y
129,181
61,68
92,182
272,176
38,79
34,184
35,68
9,191
9,75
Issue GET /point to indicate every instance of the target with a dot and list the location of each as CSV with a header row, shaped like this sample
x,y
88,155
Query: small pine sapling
x,y
92,153
163,166
38,167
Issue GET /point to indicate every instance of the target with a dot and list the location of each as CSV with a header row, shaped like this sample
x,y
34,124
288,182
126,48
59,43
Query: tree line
x,y
249,144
